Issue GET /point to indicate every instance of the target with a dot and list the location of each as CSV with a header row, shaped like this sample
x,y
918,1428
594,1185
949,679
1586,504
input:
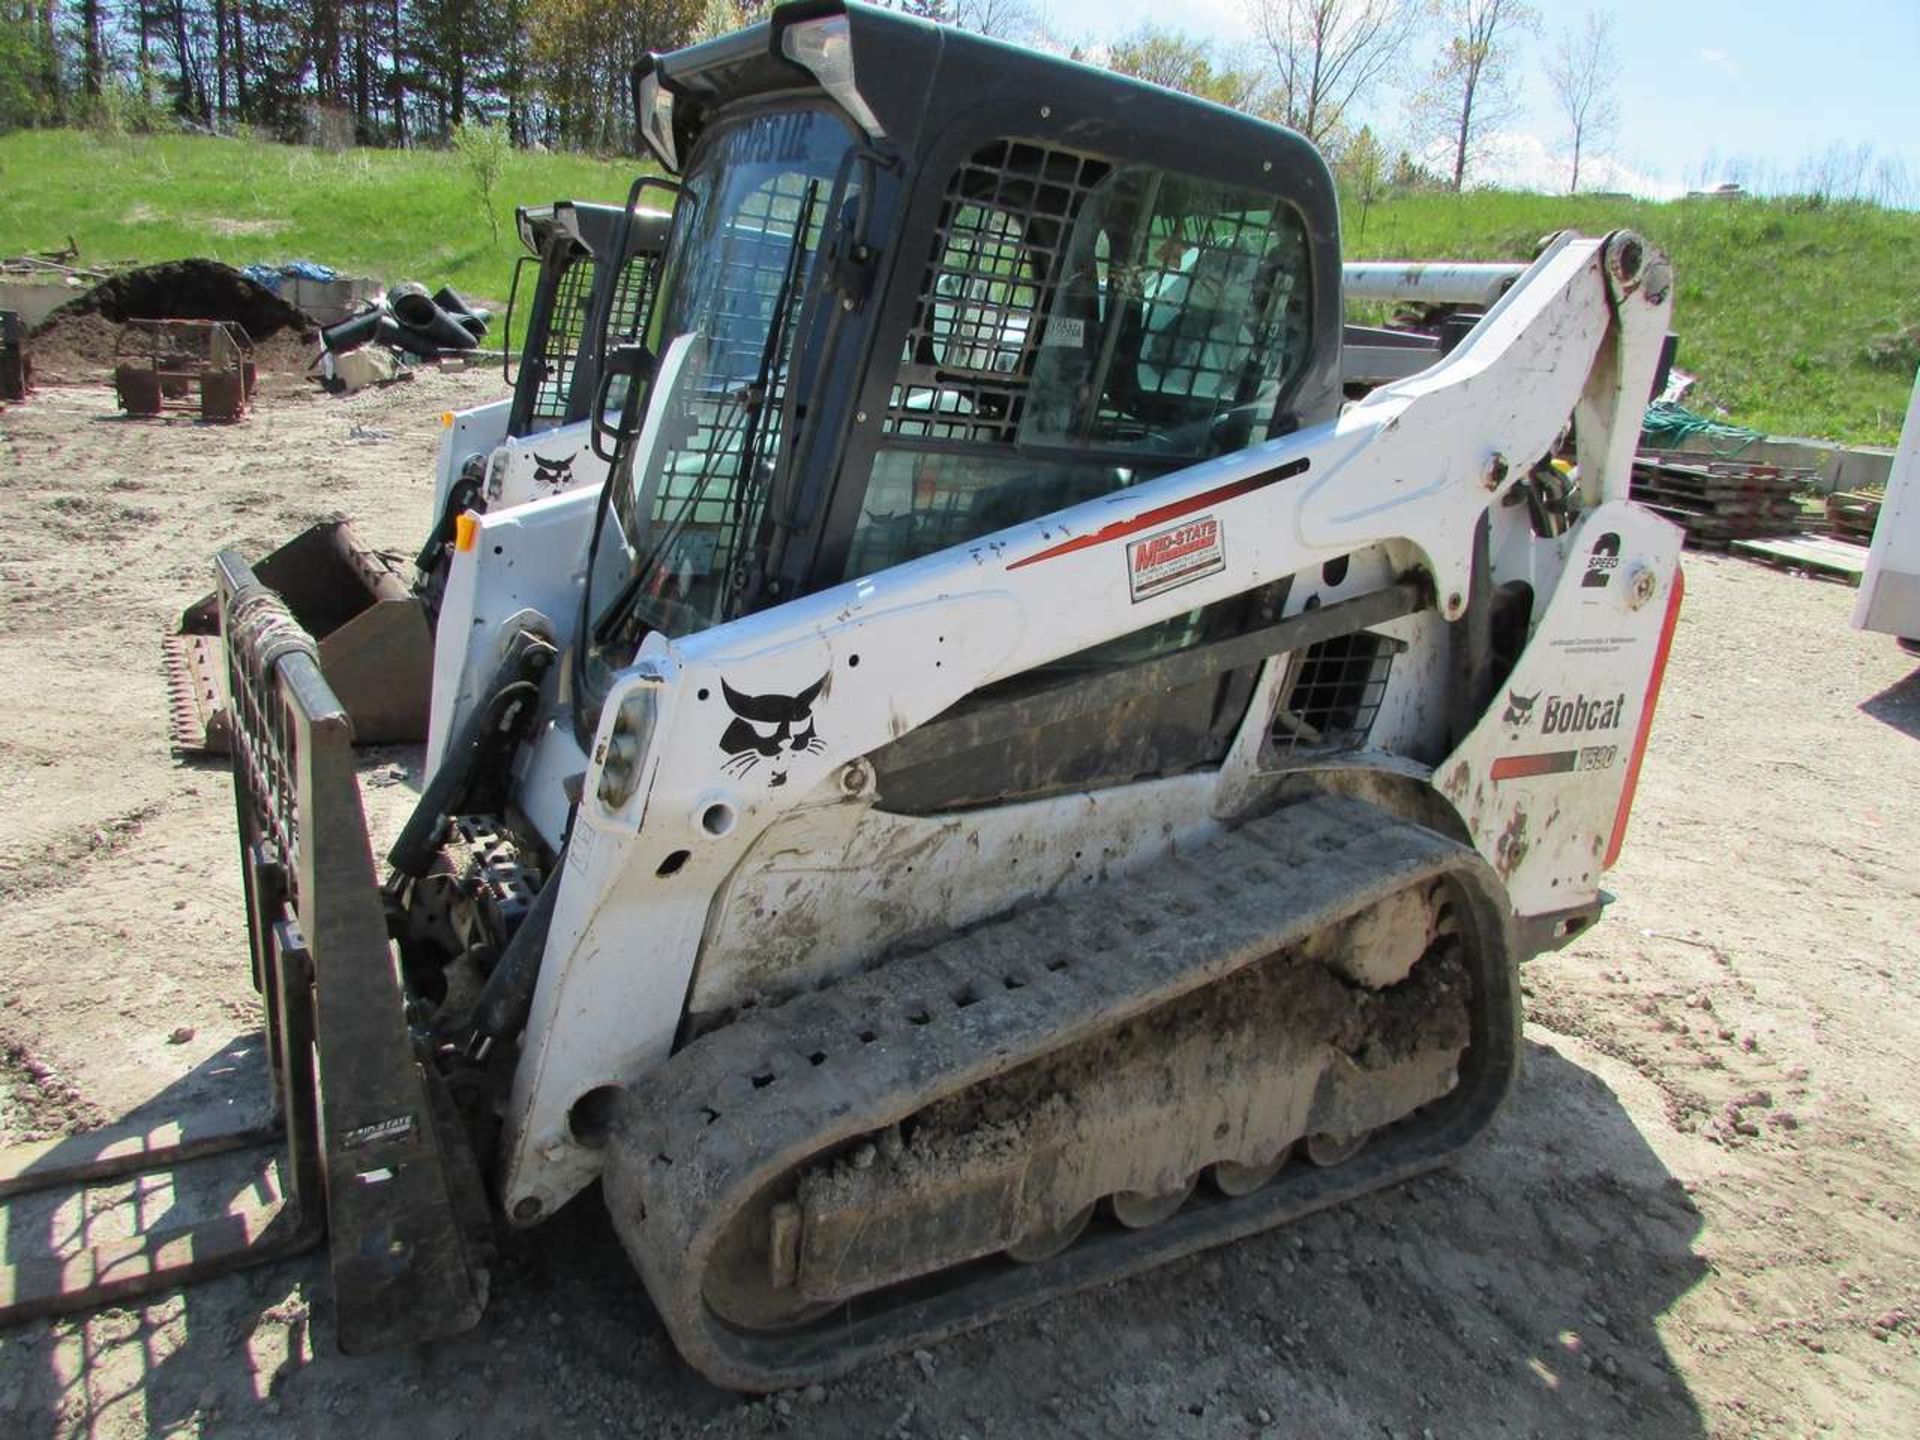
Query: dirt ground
x,y
1697,1217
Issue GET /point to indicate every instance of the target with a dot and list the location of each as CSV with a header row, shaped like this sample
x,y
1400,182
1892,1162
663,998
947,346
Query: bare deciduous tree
x,y
1582,71
1329,54
1018,20
1469,94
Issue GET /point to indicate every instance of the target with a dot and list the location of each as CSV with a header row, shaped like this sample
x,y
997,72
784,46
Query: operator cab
x,y
907,303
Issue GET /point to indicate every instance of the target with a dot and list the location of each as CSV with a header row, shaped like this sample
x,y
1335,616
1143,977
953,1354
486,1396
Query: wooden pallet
x,y
1718,502
1853,514
1819,555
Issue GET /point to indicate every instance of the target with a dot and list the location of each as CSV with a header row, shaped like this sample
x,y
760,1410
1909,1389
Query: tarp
x,y
271,275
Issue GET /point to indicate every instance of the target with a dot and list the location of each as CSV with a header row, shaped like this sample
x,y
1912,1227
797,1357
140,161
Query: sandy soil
x,y
1697,1217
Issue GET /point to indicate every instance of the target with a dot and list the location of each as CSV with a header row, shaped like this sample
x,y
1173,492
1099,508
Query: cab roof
x,y
914,79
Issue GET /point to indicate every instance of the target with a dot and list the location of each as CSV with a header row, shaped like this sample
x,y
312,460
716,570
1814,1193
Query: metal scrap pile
x,y
405,322
410,320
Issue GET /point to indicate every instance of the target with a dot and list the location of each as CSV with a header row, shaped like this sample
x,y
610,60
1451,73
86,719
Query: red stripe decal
x,y
1646,718
1521,767
1161,514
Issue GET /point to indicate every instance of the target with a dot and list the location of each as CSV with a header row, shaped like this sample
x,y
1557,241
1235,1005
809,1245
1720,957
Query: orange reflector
x,y
1646,718
446,419
466,530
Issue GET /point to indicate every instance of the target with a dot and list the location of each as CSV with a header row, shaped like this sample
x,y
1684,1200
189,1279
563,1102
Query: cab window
x,y
1082,326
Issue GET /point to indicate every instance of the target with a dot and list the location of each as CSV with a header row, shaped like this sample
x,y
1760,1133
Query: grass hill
x,y
394,214
1799,317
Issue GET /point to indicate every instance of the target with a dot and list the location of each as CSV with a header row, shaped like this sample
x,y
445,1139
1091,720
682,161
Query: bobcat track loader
x,y
372,619
539,441
1009,781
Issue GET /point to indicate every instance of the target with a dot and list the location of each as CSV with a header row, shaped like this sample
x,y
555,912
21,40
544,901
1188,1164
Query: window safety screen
x,y
1073,302
632,296
756,212
572,301
632,302
1003,228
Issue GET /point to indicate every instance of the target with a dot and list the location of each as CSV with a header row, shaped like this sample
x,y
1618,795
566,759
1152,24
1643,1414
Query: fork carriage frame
x,y
157,365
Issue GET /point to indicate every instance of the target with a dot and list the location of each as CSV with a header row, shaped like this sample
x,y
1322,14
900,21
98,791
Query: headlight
x,y
655,103
825,48
626,750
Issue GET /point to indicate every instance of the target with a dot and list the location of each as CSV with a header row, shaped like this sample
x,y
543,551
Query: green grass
x,y
392,214
1778,302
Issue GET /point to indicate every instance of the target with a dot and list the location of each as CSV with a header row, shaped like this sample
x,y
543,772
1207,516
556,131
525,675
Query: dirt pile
x,y
74,349
75,344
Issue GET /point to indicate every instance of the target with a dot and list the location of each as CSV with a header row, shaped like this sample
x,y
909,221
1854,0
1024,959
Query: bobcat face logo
x,y
1519,708
772,728
556,474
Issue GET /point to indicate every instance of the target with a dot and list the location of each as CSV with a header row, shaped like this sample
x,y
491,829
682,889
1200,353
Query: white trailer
x,y
1890,591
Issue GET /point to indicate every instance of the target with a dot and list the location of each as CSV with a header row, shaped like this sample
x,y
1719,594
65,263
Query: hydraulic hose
x,y
507,998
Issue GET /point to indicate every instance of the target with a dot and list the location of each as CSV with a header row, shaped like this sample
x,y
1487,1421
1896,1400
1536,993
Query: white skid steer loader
x,y
1009,780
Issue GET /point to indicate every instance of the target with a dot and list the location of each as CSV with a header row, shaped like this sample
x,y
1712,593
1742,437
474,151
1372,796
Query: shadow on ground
x,y
1898,705
1520,1292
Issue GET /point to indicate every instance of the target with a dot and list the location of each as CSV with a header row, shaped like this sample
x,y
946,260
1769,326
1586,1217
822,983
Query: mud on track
x,y
1696,1218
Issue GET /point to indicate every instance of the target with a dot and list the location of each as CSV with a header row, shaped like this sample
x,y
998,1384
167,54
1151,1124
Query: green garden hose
x,y
1668,425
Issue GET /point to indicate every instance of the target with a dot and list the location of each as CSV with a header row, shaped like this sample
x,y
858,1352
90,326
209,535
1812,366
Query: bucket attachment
x,y
374,1154
375,648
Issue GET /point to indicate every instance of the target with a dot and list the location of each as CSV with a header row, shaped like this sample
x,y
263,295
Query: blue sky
x,y
1774,81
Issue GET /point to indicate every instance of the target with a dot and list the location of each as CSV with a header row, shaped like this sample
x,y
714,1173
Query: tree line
x,y
1454,67
555,72
340,72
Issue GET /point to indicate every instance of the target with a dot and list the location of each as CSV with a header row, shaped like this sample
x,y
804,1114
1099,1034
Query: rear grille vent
x,y
1333,694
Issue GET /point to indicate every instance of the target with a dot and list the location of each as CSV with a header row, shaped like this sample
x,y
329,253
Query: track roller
x,y
1234,1180
1045,1244
1137,1209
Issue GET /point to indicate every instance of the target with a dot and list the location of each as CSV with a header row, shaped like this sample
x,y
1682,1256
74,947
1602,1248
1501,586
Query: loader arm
x,y
1415,471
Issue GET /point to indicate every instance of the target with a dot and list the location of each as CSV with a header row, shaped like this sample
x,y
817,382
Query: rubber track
x,y
739,1108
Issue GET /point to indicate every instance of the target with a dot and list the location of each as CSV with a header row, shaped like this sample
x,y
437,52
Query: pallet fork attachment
x,y
374,1157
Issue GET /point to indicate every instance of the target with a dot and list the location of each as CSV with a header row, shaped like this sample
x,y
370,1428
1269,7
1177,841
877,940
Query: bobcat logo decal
x,y
555,473
771,728
1519,708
